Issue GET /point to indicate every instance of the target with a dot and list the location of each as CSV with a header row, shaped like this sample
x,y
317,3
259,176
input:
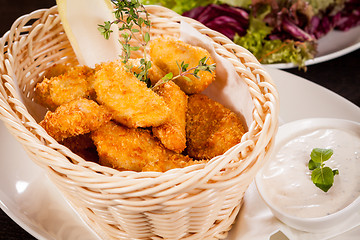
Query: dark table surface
x,y
341,75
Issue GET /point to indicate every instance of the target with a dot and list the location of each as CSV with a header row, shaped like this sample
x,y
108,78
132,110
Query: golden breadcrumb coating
x,y
172,133
133,149
174,161
73,84
154,72
130,101
166,52
211,129
77,117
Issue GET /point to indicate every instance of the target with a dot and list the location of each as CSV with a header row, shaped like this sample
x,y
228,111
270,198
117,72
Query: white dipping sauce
x,y
287,178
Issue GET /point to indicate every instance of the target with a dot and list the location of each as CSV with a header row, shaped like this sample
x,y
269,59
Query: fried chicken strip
x,y
74,118
134,149
168,52
129,100
73,84
172,133
211,129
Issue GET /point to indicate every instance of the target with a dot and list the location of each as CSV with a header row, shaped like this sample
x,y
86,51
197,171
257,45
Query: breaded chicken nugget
x,y
172,133
133,149
211,129
129,100
77,117
167,52
154,73
74,83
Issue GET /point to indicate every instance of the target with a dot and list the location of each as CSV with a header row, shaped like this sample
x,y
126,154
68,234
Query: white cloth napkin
x,y
228,88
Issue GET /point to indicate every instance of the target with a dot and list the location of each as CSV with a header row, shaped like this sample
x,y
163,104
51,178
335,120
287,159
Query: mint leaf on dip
x,y
321,176
320,155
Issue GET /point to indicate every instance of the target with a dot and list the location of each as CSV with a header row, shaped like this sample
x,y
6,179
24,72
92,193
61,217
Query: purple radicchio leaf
x,y
349,17
296,32
319,27
222,18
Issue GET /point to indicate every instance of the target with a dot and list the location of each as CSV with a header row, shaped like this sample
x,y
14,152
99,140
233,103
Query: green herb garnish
x,y
184,71
128,16
133,22
322,177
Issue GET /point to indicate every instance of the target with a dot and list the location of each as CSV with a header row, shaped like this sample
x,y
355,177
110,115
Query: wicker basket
x,y
196,202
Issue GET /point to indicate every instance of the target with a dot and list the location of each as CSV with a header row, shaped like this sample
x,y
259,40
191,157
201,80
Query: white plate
x,y
31,200
332,45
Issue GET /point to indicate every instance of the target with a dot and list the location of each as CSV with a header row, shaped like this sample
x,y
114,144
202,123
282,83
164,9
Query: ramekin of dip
x,y
285,184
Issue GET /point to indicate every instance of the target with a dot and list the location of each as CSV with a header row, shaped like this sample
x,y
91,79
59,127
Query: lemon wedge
x,y
80,19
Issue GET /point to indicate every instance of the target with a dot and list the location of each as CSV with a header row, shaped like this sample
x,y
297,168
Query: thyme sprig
x,y
131,24
185,72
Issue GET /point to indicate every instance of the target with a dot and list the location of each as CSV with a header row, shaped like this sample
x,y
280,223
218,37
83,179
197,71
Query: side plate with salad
x,y
282,33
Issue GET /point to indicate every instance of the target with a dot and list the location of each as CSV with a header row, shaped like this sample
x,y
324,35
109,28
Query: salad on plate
x,y
275,31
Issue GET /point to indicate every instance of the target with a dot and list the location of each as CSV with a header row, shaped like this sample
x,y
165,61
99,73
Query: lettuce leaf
x,y
270,51
255,34
277,51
